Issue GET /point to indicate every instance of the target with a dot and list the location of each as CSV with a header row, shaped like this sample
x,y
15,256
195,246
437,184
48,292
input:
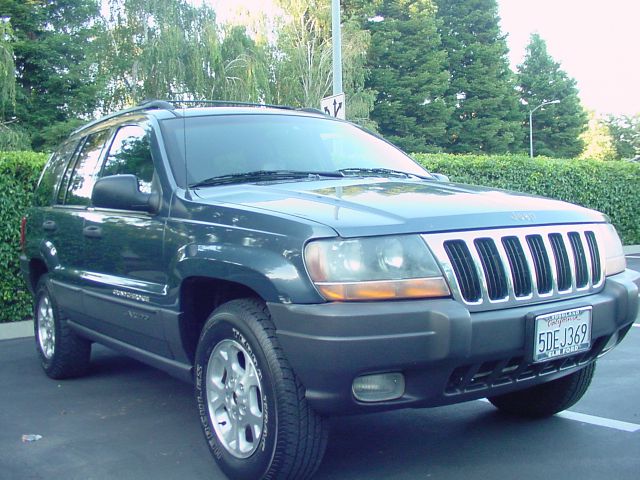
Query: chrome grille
x,y
489,268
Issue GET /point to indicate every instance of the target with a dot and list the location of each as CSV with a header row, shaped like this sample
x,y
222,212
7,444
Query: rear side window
x,y
53,172
130,153
85,171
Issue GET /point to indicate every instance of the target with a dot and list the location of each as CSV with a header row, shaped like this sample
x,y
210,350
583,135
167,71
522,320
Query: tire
x,y
549,398
62,353
244,384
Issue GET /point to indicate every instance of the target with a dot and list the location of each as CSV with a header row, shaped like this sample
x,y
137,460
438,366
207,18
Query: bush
x,y
19,172
610,187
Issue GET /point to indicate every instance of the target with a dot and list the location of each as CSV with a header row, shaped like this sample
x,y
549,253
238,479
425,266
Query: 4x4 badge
x,y
131,296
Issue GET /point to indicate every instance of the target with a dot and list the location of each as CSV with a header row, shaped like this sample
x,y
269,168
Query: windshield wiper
x,y
385,172
261,175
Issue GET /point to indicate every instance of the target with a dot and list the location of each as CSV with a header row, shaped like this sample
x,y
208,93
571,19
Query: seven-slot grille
x,y
519,265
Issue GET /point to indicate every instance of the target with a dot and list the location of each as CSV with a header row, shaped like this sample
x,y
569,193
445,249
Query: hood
x,y
361,207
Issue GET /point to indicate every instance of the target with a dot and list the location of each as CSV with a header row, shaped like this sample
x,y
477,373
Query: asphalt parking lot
x,y
129,421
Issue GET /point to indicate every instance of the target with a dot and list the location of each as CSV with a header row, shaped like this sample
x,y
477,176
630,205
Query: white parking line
x,y
637,325
593,420
600,421
633,256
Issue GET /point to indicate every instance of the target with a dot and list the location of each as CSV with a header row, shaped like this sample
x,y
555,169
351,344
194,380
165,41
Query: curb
x,y
9,331
631,249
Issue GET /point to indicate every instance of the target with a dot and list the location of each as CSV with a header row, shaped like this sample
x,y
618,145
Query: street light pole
x,y
531,123
337,46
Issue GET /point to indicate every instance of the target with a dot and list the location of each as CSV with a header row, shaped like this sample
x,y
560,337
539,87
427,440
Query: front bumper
x,y
447,354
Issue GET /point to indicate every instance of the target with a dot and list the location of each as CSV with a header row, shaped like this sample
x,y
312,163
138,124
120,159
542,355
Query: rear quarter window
x,y
52,174
85,171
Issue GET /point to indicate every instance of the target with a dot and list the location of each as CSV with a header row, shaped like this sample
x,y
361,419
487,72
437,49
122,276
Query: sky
x,y
596,42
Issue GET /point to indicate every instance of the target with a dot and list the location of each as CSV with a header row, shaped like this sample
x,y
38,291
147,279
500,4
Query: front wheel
x,y
252,408
549,398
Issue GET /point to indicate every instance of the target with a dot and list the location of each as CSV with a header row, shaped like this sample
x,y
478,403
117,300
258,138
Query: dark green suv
x,y
294,267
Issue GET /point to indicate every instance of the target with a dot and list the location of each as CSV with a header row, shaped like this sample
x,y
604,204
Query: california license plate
x,y
560,334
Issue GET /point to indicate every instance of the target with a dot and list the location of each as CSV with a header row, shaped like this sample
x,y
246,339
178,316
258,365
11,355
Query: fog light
x,y
378,388
613,341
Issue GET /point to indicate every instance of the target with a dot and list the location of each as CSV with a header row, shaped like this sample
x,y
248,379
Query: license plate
x,y
560,334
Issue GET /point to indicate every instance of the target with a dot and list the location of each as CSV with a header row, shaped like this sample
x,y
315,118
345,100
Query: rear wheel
x,y
549,398
252,407
62,353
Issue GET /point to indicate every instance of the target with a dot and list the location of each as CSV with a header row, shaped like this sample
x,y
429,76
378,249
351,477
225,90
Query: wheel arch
x,y
199,297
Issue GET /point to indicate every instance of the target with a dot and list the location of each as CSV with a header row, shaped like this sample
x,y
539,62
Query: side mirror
x,y
441,177
121,192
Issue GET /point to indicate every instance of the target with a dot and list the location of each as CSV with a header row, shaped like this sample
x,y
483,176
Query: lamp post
x,y
336,37
531,123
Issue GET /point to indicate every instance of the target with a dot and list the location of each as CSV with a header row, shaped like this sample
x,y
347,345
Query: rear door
x,y
63,221
123,255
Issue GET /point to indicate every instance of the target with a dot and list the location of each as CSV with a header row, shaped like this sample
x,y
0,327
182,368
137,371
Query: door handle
x,y
49,225
92,232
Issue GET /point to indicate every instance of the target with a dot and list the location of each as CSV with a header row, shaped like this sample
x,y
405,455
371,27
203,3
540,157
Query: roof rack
x,y
229,103
171,105
144,105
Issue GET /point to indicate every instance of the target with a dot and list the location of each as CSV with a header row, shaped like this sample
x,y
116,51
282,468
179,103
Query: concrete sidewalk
x,y
12,330
632,250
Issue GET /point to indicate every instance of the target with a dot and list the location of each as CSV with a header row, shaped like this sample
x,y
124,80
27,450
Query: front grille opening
x,y
562,261
464,268
492,268
596,268
540,263
580,259
519,268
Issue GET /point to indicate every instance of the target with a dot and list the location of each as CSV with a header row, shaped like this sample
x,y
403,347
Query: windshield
x,y
224,145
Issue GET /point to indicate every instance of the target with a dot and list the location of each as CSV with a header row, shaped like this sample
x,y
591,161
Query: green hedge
x,y
610,187
19,172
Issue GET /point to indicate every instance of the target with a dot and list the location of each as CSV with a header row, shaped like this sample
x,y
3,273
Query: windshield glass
x,y
219,145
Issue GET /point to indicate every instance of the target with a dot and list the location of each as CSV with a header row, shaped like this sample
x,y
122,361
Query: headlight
x,y
614,261
374,268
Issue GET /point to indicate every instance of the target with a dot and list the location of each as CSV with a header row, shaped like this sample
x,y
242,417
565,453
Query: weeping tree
x,y
11,137
7,70
302,59
172,49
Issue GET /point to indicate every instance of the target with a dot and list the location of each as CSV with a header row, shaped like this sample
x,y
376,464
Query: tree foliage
x,y
54,50
625,131
172,49
302,59
482,91
7,70
597,139
408,72
557,127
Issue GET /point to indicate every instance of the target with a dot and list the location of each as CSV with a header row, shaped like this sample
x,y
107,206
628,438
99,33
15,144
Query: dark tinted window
x,y
130,152
235,144
53,172
86,170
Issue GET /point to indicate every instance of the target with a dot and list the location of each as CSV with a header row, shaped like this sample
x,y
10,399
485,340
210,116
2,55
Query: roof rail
x,y
144,105
311,110
228,103
171,105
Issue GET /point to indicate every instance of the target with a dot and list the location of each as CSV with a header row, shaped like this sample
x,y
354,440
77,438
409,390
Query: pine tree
x,y
408,70
55,58
557,127
486,116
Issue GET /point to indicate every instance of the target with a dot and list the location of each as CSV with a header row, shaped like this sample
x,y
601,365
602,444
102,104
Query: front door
x,y
123,253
